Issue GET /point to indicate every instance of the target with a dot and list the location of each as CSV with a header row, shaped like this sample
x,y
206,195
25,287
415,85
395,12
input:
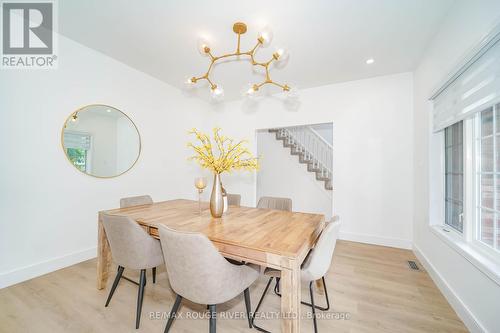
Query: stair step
x,y
297,150
304,160
310,168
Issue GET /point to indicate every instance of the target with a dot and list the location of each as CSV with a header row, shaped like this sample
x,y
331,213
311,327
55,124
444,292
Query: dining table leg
x,y
290,300
103,255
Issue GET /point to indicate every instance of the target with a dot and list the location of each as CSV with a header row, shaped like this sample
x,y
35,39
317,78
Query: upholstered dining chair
x,y
233,199
314,267
131,247
275,203
199,273
136,201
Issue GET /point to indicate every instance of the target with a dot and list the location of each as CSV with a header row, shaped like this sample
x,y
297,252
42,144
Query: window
x,y
454,176
464,174
78,157
77,146
488,177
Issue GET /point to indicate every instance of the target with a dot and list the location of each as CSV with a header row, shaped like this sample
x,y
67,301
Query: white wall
x,y
373,159
281,175
48,209
474,296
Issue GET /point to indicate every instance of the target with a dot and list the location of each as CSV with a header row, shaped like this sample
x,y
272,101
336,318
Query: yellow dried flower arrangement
x,y
231,156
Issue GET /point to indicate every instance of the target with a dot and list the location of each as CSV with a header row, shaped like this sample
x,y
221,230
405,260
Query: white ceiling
x,y
329,41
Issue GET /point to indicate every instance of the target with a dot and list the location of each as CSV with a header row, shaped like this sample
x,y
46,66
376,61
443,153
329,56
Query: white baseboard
x,y
377,240
456,303
44,267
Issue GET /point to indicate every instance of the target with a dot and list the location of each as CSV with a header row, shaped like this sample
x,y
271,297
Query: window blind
x,y
474,89
76,140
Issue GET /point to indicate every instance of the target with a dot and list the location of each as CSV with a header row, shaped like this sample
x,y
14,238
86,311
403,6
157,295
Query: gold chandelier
x,y
280,56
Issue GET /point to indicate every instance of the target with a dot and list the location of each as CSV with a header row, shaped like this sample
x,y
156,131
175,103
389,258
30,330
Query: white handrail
x,y
320,137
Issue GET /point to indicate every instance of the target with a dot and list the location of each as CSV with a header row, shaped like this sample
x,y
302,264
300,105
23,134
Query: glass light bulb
x,y
203,46
189,82
217,93
292,92
282,56
266,34
250,90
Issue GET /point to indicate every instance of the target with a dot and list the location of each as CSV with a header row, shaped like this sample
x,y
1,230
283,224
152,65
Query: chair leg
x,y
248,306
213,318
154,274
277,287
326,296
115,284
173,313
140,297
309,304
313,307
258,307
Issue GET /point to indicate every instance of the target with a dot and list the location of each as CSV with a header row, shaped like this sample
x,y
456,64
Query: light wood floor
x,y
373,284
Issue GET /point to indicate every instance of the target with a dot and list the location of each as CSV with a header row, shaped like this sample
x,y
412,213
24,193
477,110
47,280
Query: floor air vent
x,y
413,265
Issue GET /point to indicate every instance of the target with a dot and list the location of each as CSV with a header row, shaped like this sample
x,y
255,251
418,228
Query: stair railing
x,y
313,147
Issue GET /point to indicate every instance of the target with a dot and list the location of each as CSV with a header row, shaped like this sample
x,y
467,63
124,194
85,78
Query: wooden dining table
x,y
266,237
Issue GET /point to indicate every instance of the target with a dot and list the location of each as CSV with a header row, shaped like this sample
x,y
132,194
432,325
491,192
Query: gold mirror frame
x,y
114,108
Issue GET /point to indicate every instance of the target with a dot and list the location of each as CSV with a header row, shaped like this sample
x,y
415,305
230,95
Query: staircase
x,y
311,149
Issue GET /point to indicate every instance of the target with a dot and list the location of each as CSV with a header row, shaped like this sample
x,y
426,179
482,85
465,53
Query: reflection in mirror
x,y
101,141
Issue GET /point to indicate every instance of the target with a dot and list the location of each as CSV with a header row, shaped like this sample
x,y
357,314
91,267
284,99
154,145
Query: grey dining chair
x,y
233,199
138,201
314,267
275,203
199,273
131,247
135,201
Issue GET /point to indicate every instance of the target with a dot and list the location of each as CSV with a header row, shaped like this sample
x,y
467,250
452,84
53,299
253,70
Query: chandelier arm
x,y
251,53
212,85
238,44
285,87
263,64
210,67
268,76
258,85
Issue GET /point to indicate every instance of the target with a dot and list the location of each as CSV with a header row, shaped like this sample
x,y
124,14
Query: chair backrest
x,y
233,199
131,246
136,201
196,270
319,259
275,203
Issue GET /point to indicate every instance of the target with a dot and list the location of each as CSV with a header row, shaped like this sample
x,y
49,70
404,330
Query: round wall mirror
x,y
101,141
